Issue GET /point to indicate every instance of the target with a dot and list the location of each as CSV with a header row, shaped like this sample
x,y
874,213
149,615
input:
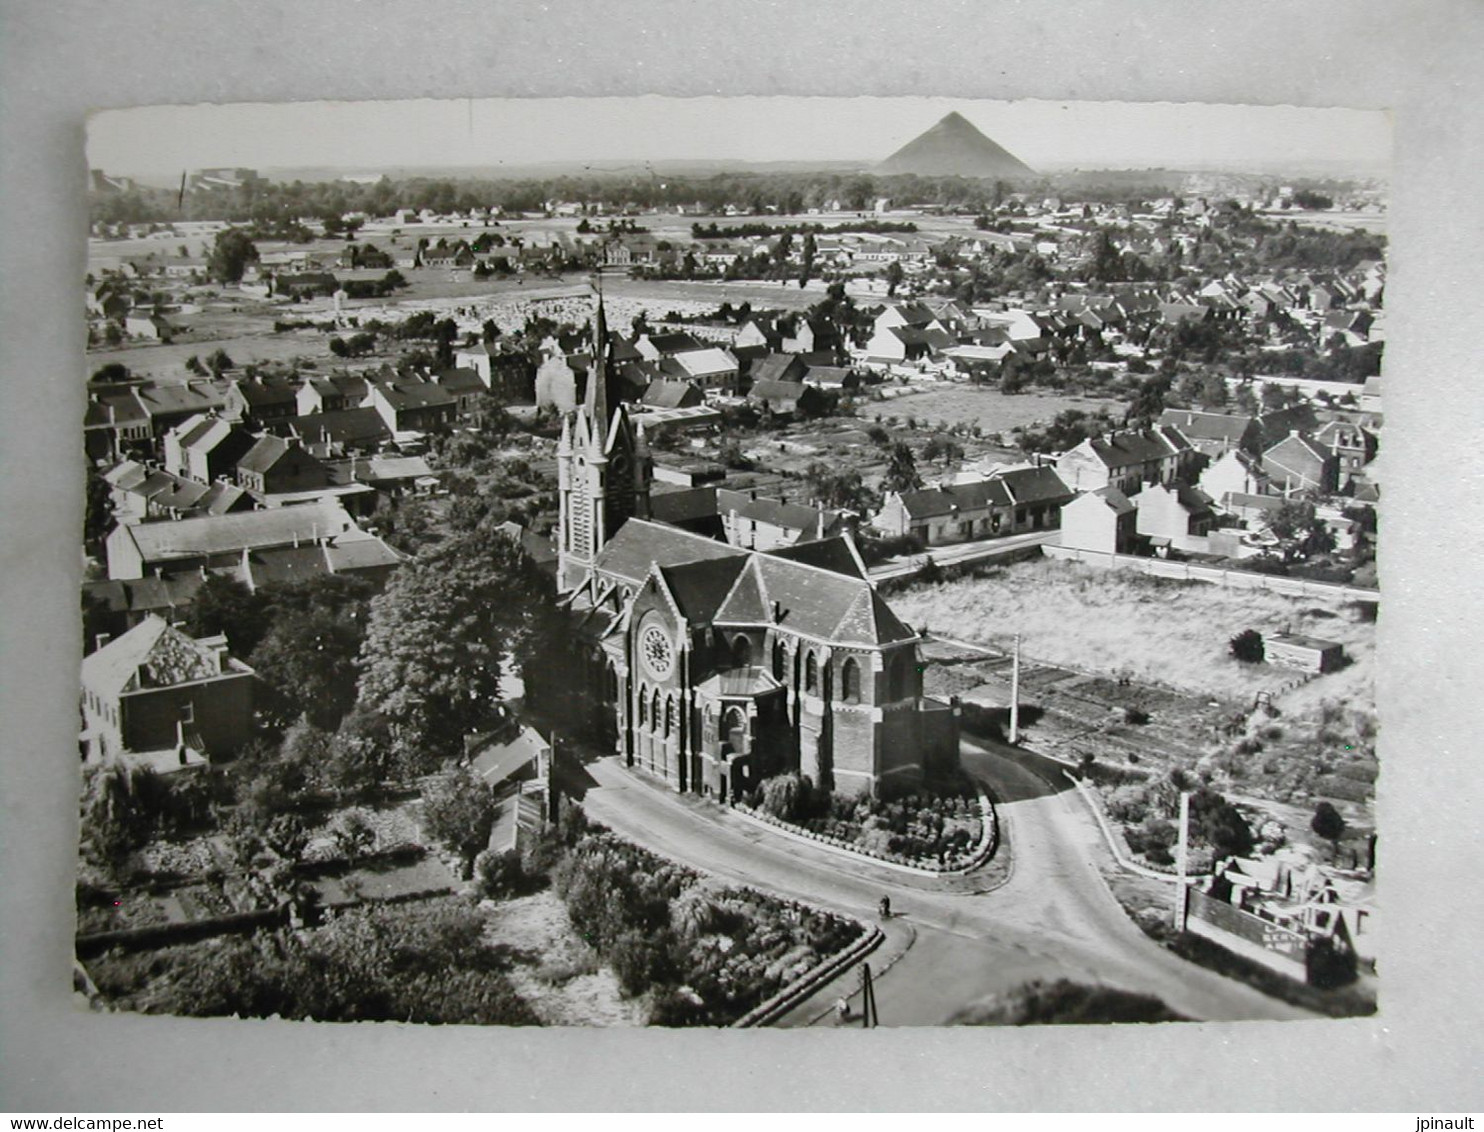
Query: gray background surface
x,y
1419,60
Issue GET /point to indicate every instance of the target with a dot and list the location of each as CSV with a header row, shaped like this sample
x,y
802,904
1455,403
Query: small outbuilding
x,y
1307,654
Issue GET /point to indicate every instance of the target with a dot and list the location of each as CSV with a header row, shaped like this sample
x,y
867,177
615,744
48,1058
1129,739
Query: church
x,y
714,666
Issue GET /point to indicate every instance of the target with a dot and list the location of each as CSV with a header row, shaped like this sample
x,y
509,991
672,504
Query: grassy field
x,y
992,410
1148,629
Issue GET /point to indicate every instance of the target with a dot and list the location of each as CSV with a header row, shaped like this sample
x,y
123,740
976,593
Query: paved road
x,y
1053,917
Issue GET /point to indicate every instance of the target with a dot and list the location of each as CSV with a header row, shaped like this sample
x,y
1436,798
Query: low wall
x,y
1275,947
163,935
1193,572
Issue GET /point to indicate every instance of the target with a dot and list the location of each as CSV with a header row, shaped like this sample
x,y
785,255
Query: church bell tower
x,y
603,467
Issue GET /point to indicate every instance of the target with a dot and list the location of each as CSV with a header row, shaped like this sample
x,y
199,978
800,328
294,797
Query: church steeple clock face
x,y
656,652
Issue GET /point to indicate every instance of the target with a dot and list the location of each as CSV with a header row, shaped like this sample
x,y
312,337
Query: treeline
x,y
277,203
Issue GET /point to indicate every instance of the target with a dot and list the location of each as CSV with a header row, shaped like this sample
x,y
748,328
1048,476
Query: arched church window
x,y
780,660
669,716
811,674
850,681
643,706
655,718
741,652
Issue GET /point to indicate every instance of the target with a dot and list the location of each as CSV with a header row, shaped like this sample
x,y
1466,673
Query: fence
x,y
1233,579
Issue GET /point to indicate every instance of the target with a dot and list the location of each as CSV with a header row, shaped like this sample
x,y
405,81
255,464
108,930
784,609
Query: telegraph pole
x,y
869,1017
1180,854
1015,694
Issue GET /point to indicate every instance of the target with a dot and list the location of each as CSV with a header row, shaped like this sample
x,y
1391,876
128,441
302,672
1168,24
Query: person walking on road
x,y
886,907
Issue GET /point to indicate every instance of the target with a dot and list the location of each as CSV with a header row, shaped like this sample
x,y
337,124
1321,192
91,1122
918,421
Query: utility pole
x,y
869,1018
1015,694
1180,856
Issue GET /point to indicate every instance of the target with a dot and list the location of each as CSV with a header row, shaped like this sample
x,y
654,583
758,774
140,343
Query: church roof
x,y
639,542
834,554
699,588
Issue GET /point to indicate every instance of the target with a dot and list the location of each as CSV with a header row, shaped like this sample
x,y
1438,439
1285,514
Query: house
x,y
1236,473
1103,520
896,345
263,404
1010,501
671,395
171,405
330,394
112,424
394,475
305,285
1176,516
341,433
652,347
712,368
465,386
1353,447
408,405
147,325
478,358
448,256
785,398
1299,465
779,367
276,466
838,378
159,698
253,546
205,448
1214,433
114,606
1127,460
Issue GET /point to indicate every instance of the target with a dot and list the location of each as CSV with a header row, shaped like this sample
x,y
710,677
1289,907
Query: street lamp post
x,y
1180,859
1015,694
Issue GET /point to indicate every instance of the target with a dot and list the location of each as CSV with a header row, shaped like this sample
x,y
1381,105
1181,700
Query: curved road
x,y
1054,916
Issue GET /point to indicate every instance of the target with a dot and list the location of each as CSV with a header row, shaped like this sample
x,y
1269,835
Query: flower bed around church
x,y
946,827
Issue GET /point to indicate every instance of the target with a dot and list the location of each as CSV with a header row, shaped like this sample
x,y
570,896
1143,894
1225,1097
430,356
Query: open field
x,y
990,409
1172,633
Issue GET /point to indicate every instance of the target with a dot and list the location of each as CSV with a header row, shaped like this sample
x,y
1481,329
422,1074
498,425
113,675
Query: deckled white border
x,y
1419,59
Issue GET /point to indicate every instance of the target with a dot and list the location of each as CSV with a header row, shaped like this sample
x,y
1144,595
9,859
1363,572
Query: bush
x,y
499,876
1247,647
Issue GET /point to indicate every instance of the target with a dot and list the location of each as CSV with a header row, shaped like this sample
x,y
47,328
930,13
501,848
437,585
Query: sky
x,y
1046,135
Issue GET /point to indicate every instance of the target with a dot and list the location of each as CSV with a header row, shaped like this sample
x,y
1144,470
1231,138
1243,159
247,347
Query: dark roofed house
x,y
672,395
205,448
1299,465
170,405
1010,501
653,347
341,433
1127,460
464,385
262,403
413,406
275,466
331,394
784,398
1214,433
306,284
779,367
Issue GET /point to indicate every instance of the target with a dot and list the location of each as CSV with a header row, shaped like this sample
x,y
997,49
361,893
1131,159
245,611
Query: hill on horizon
x,y
955,147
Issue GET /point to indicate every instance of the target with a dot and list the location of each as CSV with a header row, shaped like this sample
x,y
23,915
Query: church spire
x,y
597,378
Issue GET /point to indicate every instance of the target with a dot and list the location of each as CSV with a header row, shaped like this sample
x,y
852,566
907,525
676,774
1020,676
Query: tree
x,y
219,362
1217,823
225,605
437,637
1247,647
841,490
459,811
308,661
894,277
230,254
354,836
901,469
1328,824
